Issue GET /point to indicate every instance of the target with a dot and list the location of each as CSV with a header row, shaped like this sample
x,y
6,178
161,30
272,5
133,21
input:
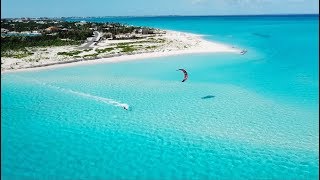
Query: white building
x,y
40,22
3,30
81,23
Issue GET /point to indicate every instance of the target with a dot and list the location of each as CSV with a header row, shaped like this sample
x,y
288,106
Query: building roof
x,y
52,28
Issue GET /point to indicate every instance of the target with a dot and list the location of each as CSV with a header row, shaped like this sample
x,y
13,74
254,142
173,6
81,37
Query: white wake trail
x,y
87,95
98,98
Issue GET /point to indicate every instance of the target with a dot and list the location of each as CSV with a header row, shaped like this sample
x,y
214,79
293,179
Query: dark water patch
x,y
208,97
261,35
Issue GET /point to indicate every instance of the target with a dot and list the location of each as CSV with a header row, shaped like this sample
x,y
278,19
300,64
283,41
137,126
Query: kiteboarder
x,y
243,52
125,106
185,74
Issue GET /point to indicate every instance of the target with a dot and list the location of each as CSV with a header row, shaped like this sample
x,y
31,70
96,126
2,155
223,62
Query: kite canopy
x,y
185,74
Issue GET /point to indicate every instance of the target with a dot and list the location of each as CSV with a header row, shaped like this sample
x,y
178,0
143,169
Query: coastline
x,y
200,45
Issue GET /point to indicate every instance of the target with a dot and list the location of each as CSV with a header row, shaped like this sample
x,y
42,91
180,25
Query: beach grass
x,y
71,53
127,48
104,50
17,54
90,55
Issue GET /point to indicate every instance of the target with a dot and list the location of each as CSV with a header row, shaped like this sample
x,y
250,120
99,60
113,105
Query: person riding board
x,y
125,106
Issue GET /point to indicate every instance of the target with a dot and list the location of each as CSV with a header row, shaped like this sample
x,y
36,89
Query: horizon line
x,y
293,14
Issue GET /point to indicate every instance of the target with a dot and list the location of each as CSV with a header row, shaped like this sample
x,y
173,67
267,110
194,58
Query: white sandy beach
x,y
177,43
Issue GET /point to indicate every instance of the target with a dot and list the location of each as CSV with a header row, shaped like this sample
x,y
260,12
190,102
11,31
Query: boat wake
x,y
86,95
90,96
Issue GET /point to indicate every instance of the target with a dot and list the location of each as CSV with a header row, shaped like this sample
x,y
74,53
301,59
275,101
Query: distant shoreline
x,y
151,16
199,45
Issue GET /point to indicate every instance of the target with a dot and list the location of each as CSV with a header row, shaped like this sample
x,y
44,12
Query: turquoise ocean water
x,y
262,122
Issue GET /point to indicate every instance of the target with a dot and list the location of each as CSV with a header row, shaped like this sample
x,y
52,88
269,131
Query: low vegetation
x,y
18,43
57,32
16,54
91,55
71,53
150,47
127,48
104,50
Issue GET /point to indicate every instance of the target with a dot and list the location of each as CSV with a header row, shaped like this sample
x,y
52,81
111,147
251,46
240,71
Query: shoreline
x,y
201,46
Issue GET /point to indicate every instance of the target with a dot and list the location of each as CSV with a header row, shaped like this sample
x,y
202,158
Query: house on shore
x,y
4,31
143,31
40,22
81,23
51,29
107,35
64,29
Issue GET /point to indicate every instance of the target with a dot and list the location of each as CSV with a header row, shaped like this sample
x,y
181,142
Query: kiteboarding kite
x,y
185,74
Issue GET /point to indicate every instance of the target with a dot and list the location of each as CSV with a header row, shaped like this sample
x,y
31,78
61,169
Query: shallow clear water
x,y
262,121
